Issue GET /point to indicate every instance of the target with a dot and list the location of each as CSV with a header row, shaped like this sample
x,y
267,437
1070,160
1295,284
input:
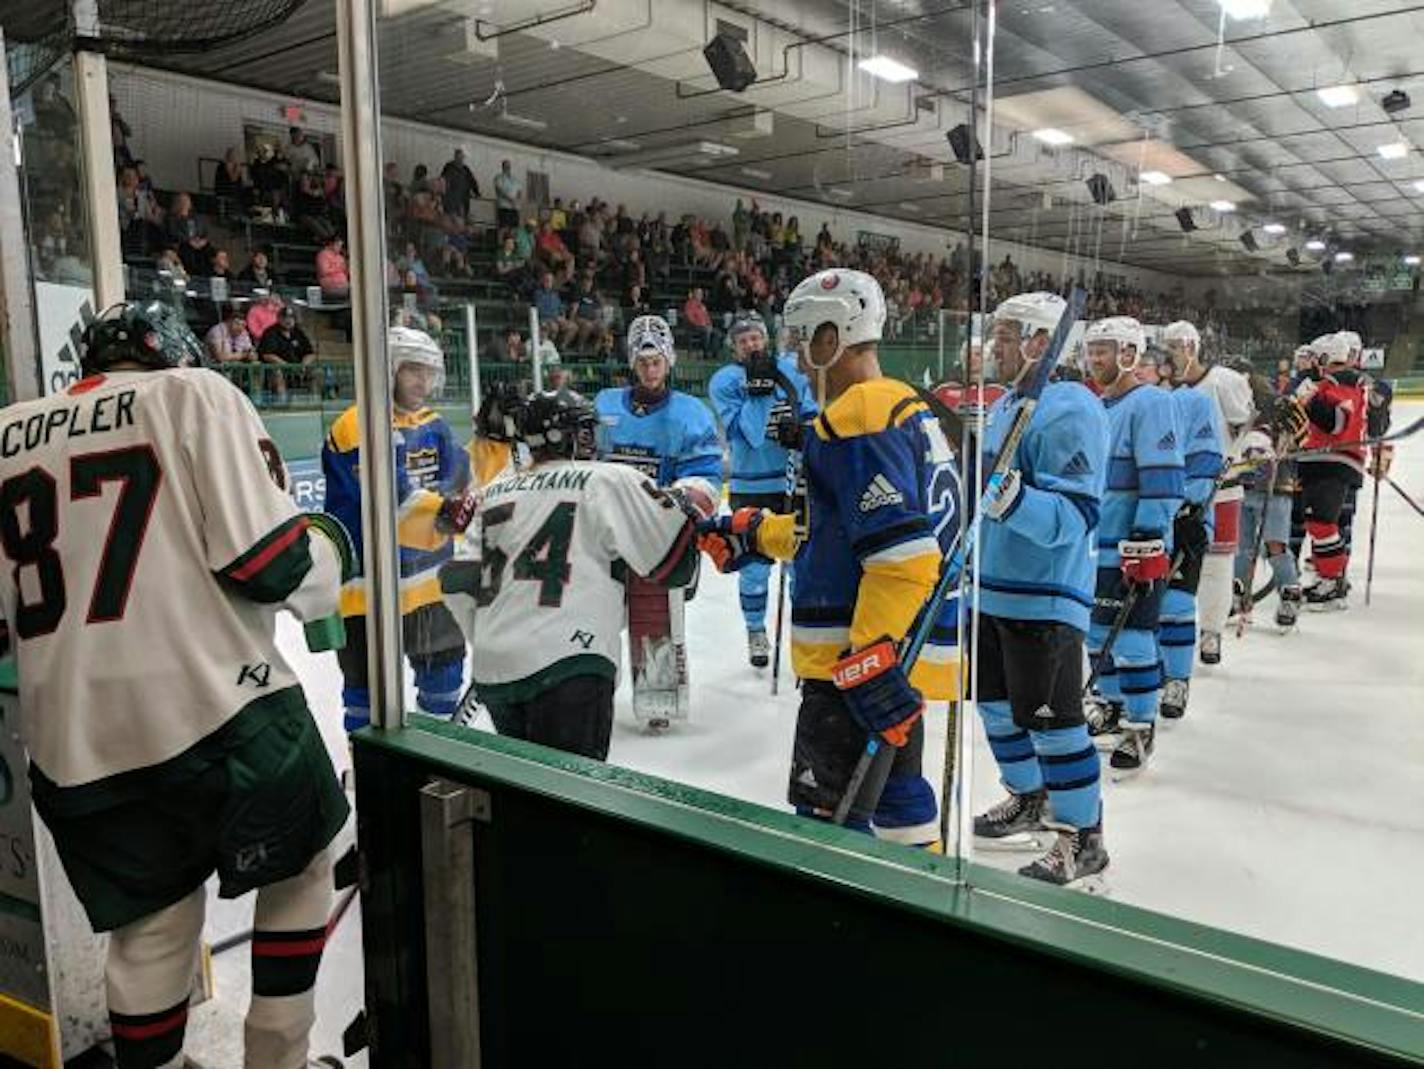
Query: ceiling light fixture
x,y
888,70
1315,245
1274,228
1338,96
1419,186
1246,9
1051,136
1343,257
1219,177
909,206
1395,150
839,191
752,172
1411,260
526,121
1223,206
1156,178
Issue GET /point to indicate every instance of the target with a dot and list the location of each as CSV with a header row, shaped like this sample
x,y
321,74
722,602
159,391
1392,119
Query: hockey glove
x,y
878,693
1144,559
455,513
761,374
500,408
783,426
1289,420
731,540
1189,532
1382,461
1004,496
324,523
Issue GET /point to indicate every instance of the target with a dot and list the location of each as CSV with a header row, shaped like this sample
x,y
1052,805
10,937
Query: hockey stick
x,y
1129,602
1402,493
1258,537
1241,466
962,546
796,505
1374,530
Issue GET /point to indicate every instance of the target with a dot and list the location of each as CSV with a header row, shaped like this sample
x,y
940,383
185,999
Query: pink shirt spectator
x,y
260,316
695,312
331,271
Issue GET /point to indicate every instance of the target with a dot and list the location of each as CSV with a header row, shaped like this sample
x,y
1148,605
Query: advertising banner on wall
x,y
63,312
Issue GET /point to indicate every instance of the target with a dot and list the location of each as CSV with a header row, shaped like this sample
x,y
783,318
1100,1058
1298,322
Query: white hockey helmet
x,y
1182,332
1354,344
410,346
1032,312
1122,330
650,334
1333,350
849,300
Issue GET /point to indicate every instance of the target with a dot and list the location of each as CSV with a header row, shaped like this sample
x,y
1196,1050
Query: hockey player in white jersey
x,y
1232,394
557,539
148,541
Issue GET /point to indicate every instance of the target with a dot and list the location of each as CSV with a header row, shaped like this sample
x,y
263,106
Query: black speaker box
x,y
730,63
1185,220
1293,257
1101,189
1248,239
959,141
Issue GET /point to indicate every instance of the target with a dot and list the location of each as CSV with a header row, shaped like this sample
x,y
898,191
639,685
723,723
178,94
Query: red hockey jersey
x,y
1336,411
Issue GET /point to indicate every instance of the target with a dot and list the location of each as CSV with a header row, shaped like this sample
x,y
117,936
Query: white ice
x,y
1285,806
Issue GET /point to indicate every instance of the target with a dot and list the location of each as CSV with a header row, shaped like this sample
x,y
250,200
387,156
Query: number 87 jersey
x,y
147,541
555,541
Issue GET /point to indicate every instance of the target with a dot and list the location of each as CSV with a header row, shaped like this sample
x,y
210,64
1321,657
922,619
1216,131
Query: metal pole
x,y
18,335
474,356
361,156
536,358
91,94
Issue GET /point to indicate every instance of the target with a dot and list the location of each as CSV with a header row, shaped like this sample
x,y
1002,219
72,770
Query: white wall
x,y
176,119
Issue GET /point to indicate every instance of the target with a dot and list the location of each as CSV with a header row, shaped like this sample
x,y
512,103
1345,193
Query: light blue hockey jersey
x,y
672,439
1199,430
1039,561
758,462
1146,474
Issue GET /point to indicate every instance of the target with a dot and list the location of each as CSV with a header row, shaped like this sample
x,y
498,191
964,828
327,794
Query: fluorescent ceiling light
x,y
1343,257
623,144
839,191
909,206
752,172
1246,9
1338,96
1219,177
1419,186
1050,136
1274,228
1395,150
1412,260
1155,178
1223,206
526,121
888,70
1315,245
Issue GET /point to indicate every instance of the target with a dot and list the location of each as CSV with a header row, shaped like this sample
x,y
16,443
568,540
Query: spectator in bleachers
x,y
420,179
257,273
558,218
554,323
270,184
394,192
524,240
140,218
635,304
230,180
412,263
302,154
508,193
333,187
286,342
310,209
262,314
460,186
504,347
635,272
185,229
119,133
741,223
227,340
331,271
426,225
699,322
587,313
171,264
508,264
590,240
551,253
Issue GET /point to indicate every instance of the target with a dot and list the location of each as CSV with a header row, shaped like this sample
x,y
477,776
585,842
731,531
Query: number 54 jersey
x,y
555,541
146,542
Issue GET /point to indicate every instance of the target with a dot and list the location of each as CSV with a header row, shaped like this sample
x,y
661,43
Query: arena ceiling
x,y
1227,107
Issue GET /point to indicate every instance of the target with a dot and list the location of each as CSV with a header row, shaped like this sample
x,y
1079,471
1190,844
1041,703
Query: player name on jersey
x,y
540,480
111,413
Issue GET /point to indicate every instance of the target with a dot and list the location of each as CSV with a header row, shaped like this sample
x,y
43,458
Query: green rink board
x,y
637,910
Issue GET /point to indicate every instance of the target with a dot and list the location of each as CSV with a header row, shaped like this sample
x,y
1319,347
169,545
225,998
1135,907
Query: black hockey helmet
x,y
150,333
559,423
501,410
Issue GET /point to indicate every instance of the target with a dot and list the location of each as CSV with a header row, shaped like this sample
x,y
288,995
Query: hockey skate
x,y
1209,647
1135,749
1104,718
1014,824
758,649
1076,859
1328,595
1174,698
1288,609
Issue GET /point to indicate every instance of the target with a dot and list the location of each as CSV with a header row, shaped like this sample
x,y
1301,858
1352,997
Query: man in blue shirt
x,y
553,323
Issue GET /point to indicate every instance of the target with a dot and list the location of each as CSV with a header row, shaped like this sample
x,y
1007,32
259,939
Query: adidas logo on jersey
x,y
1078,465
1206,430
1168,441
879,493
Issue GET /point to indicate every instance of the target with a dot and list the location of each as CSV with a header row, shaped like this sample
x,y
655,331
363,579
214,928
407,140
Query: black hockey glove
x,y
1189,532
783,426
761,374
500,408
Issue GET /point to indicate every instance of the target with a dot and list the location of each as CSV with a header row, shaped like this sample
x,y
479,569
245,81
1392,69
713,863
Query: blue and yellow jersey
x,y
429,464
883,493
1039,560
1146,473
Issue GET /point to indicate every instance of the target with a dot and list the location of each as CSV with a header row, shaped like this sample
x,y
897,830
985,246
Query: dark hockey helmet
x,y
501,411
150,333
559,423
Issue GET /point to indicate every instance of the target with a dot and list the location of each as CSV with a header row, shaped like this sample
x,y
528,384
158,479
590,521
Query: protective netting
x,y
36,36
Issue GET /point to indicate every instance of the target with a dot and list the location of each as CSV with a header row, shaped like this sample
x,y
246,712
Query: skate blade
x,y
1022,841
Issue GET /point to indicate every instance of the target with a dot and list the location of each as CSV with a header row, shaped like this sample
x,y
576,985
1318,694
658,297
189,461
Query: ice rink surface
x,y
1285,806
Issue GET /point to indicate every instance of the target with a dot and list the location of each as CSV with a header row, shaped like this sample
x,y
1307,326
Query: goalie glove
x,y
877,692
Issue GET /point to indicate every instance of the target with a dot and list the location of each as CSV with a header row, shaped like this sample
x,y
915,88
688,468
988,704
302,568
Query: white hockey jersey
x,y
1231,391
547,587
148,541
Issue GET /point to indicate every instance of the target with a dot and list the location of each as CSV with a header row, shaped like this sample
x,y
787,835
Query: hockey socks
x,y
753,582
1070,769
1012,747
1177,633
